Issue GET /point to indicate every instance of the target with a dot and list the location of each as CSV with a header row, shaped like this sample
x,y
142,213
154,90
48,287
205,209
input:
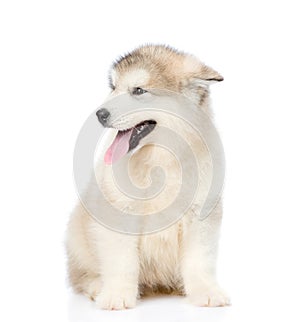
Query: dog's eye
x,y
138,91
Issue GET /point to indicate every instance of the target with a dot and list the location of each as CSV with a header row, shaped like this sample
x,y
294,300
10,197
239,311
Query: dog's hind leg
x,y
86,283
83,265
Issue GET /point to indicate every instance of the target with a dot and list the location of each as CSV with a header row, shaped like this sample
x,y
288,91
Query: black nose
x,y
103,116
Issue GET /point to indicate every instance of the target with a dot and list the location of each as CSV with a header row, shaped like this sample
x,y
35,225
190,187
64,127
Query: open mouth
x,y
127,140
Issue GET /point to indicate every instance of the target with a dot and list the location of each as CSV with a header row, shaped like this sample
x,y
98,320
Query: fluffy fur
x,y
113,268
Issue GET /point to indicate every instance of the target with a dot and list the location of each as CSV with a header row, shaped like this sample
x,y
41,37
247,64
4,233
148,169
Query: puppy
x,y
114,268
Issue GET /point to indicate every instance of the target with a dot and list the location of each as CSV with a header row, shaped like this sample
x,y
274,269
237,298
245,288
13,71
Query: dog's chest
x,y
159,257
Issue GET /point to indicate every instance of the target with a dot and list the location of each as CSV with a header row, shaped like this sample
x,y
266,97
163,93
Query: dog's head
x,y
139,75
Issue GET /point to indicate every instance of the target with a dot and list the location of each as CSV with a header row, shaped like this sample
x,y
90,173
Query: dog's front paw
x,y
116,299
208,296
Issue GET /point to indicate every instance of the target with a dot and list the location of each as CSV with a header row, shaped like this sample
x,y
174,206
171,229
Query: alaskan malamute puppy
x,y
113,268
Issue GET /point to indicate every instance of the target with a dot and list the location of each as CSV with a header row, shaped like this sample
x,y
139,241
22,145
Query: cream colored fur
x,y
114,268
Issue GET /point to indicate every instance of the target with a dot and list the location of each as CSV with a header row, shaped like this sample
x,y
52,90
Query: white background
x,y
54,61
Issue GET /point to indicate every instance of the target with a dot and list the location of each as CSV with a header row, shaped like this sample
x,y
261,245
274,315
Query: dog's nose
x,y
103,116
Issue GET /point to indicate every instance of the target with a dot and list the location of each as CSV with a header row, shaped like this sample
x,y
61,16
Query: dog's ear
x,y
197,78
205,76
196,71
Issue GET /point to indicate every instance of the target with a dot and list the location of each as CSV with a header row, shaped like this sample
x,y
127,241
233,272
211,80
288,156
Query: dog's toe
x,y
209,296
116,300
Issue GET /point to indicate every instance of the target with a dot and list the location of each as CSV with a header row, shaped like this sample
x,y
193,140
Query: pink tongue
x,y
118,148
